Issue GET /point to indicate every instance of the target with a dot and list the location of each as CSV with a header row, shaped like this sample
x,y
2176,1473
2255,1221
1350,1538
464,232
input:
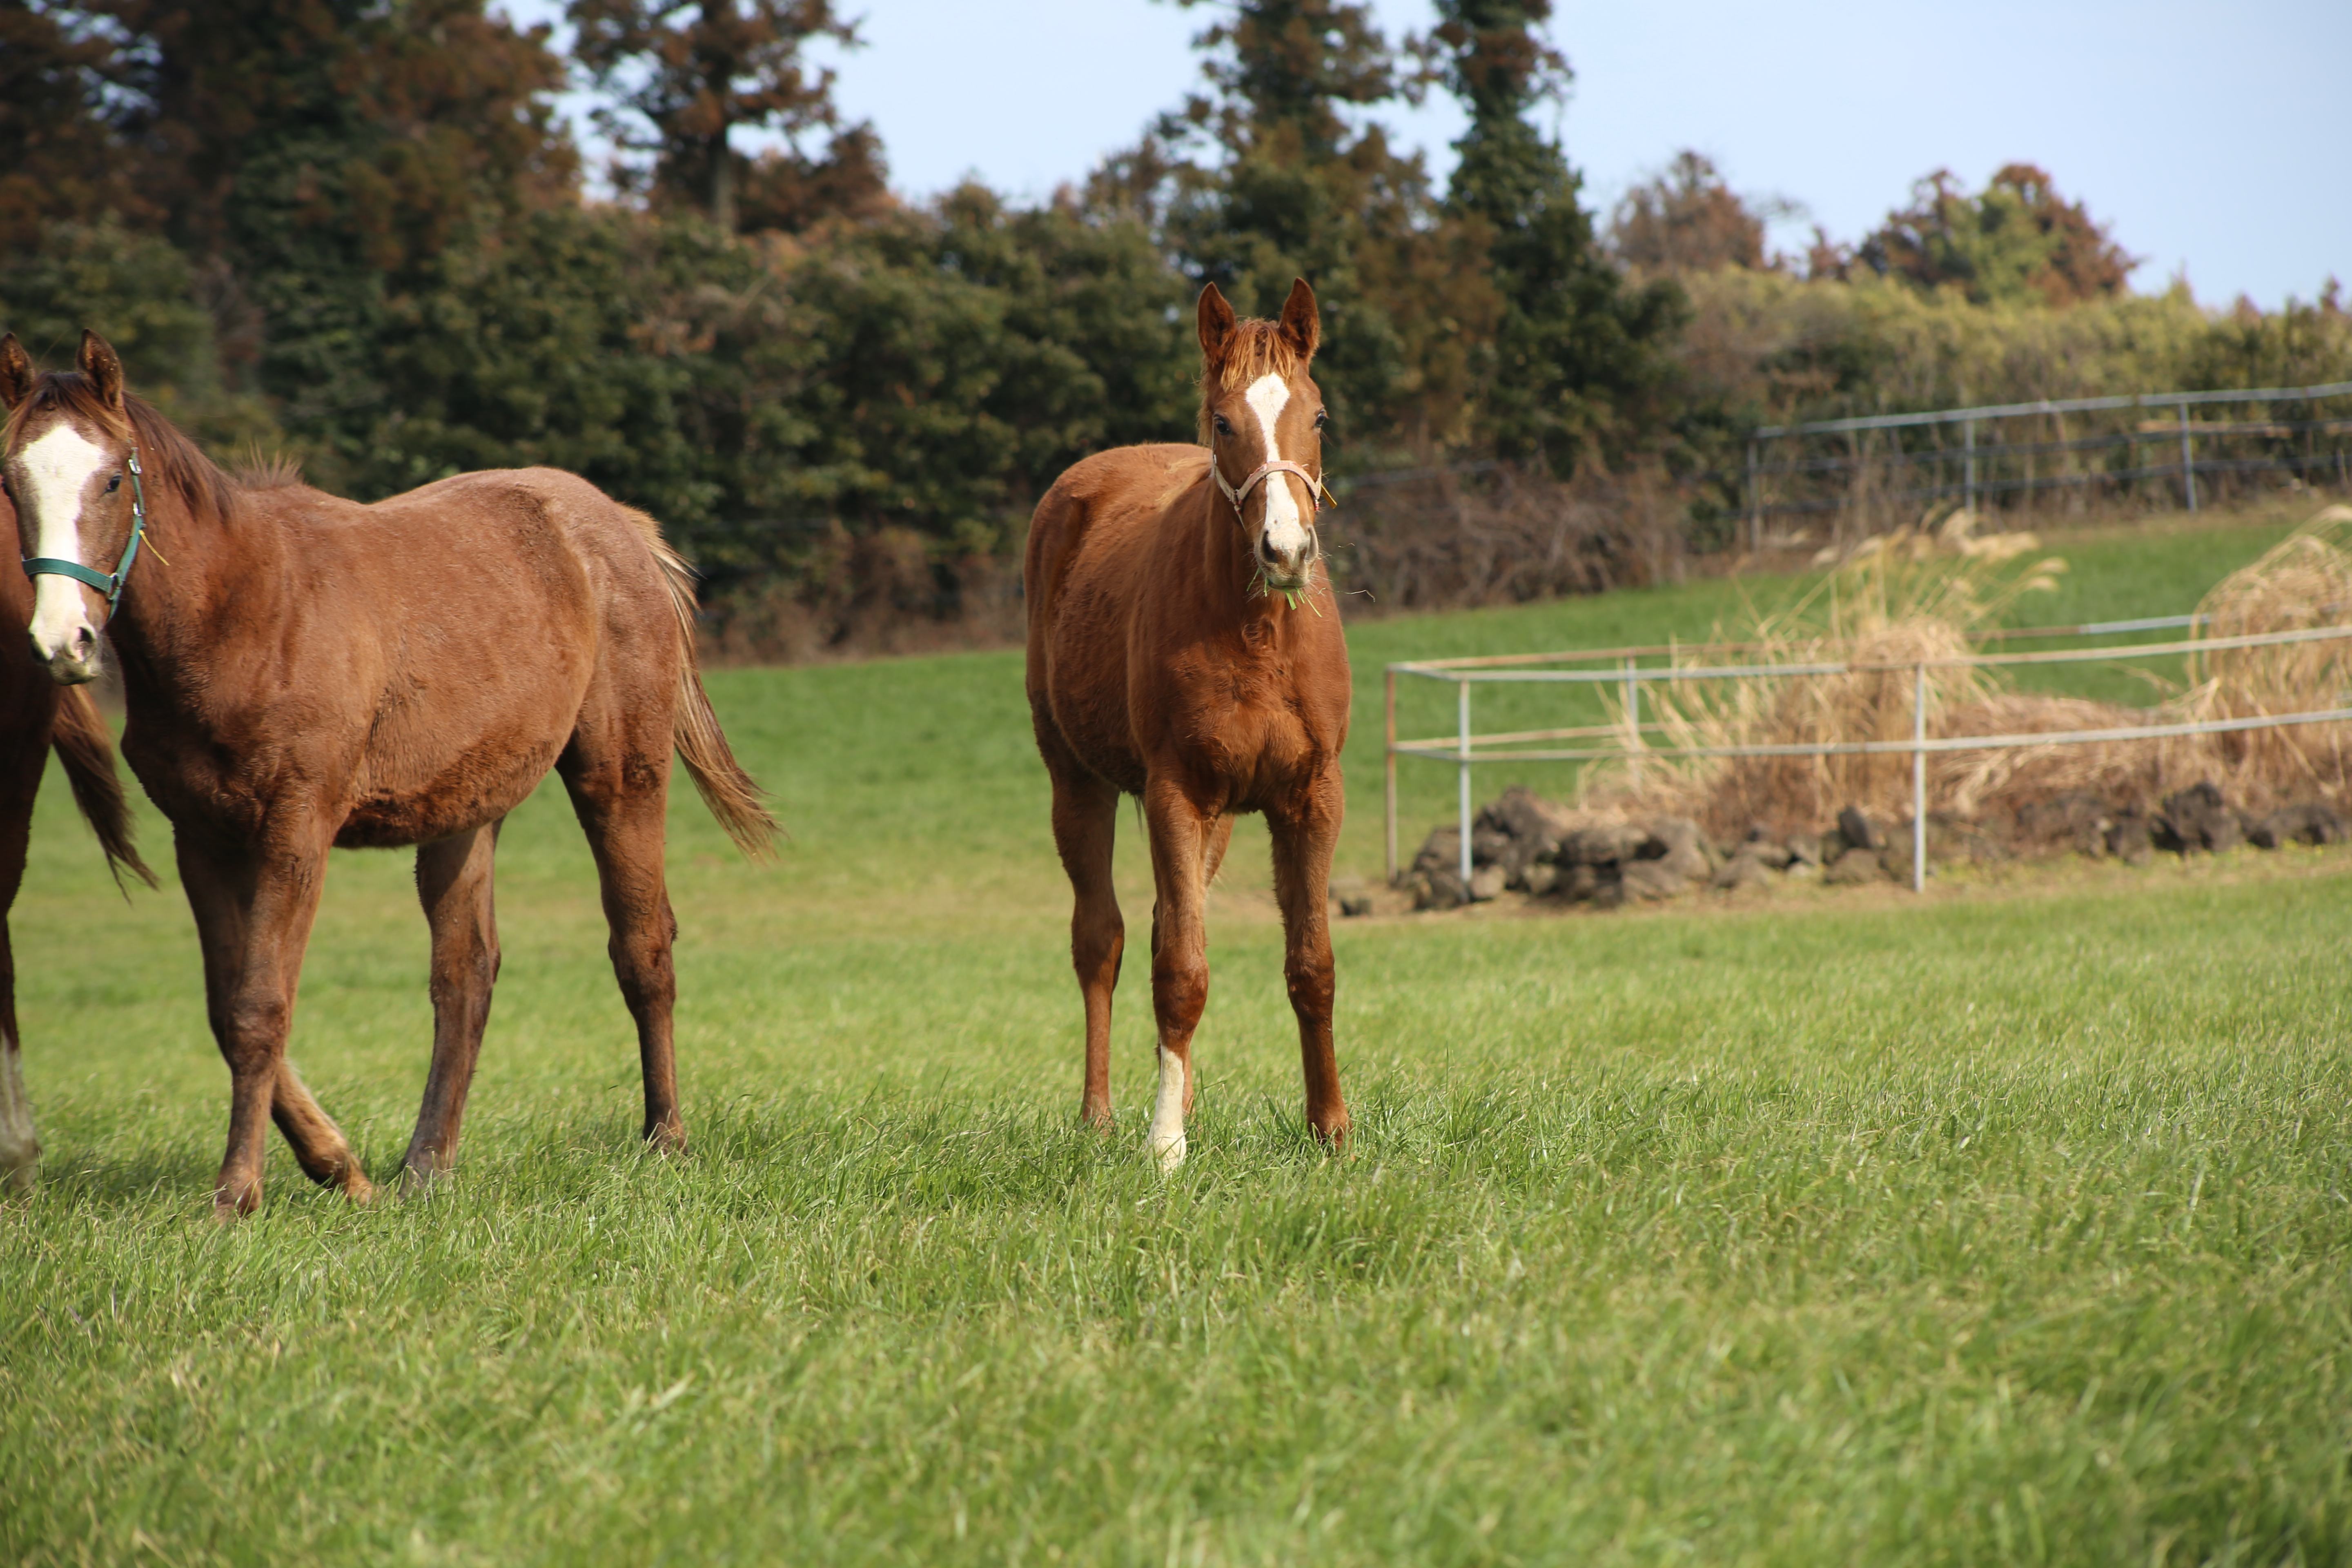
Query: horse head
x,y
70,464
1261,419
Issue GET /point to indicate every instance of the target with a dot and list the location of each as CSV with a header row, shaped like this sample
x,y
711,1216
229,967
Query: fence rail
x,y
1466,749
1878,464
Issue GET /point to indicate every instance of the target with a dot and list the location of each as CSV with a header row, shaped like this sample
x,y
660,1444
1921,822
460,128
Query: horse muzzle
x,y
72,659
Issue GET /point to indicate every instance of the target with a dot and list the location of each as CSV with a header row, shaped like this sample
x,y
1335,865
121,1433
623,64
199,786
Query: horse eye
x,y
1321,419
114,484
1222,428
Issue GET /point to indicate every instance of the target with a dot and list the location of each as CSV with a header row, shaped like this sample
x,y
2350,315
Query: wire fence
x,y
1628,740
2146,447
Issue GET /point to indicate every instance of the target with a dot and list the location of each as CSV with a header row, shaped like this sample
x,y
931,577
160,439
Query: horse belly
x,y
415,794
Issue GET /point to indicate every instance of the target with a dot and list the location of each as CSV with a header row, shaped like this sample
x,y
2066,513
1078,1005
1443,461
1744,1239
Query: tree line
x,y
354,231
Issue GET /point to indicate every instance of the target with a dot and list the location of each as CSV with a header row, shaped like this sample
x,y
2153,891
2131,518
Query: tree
x,y
1686,220
2017,239
1261,179
1577,360
62,125
706,67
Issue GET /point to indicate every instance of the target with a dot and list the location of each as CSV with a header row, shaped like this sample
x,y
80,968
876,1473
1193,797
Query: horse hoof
x,y
1169,1151
667,1138
227,1210
21,1177
1333,1136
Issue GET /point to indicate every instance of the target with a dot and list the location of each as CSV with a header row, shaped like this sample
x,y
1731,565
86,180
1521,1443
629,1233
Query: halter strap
x,y
108,583
1315,491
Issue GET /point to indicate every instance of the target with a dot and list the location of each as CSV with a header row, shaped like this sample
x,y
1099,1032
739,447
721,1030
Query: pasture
x,y
2004,1225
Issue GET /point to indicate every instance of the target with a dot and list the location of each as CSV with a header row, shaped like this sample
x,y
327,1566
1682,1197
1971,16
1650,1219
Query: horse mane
x,y
1253,348
165,457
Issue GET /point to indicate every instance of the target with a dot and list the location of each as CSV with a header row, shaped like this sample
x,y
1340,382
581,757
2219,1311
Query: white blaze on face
x,y
20,1152
1285,532
1167,1139
57,470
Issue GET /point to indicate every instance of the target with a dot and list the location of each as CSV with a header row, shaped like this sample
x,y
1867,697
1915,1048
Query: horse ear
x,y
1217,323
105,371
15,371
1301,326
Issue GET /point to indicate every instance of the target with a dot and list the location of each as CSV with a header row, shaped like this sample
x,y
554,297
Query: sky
x,y
2210,139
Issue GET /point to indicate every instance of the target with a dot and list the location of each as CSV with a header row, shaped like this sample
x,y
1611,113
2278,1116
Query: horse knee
x,y
1179,991
1310,984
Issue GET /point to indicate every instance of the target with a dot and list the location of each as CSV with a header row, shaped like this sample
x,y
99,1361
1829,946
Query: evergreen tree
x,y
1577,361
701,69
1262,180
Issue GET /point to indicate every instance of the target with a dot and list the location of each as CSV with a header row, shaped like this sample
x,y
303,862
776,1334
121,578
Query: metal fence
x,y
1625,740
2007,452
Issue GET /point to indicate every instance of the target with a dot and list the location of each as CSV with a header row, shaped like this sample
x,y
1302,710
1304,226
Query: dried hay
x,y
1924,595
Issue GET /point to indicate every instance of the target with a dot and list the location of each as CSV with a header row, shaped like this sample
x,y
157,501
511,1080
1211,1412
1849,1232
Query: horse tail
x,y
710,762
86,749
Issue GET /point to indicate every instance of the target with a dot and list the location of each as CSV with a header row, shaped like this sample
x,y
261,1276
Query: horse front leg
x,y
454,884
1303,839
20,1147
1180,832
254,908
1085,826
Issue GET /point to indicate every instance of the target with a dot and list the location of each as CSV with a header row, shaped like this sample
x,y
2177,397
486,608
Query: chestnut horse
x,y
1183,648
35,716
301,673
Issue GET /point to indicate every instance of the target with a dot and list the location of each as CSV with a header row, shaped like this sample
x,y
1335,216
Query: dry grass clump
x,y
1924,595
1895,602
2305,583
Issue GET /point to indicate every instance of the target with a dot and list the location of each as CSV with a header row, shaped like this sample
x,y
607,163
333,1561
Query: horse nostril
x,y
84,641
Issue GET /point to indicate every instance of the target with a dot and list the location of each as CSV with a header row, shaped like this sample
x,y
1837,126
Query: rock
x,y
1765,851
1487,884
2198,818
1742,871
1653,881
1540,877
1353,905
1857,865
1895,858
2129,838
1441,851
1578,882
1859,831
1676,843
1438,889
2310,823
2076,820
1600,845
1805,849
1608,895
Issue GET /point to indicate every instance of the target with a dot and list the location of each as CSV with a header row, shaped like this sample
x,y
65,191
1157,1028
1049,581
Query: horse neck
x,y
199,578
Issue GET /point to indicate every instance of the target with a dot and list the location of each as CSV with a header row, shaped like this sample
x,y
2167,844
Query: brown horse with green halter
x,y
35,716
300,672
1184,647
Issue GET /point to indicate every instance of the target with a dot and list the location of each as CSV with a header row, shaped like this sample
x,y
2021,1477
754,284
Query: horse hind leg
x,y
454,880
1085,826
621,799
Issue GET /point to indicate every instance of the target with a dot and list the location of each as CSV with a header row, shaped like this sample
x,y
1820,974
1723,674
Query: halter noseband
x,y
1315,491
108,583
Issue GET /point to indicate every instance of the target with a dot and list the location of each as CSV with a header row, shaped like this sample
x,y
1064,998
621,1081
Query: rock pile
x,y
1525,844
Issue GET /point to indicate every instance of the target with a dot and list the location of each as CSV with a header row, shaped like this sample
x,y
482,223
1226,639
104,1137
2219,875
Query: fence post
x,y
2188,469
1462,750
1755,503
1969,464
1919,778
1633,725
1388,790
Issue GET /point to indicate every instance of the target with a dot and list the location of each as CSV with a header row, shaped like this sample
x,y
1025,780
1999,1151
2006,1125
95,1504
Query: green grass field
x,y
2008,1225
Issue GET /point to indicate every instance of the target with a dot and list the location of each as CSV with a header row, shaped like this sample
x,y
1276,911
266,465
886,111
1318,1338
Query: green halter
x,y
110,585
